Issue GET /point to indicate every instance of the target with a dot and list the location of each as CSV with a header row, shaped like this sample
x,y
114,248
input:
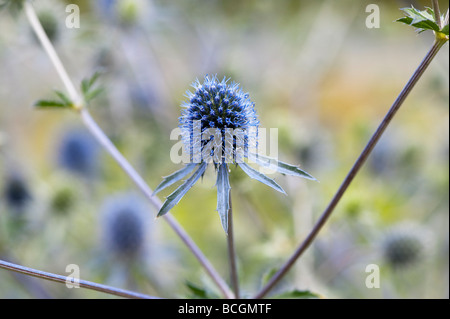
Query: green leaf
x,y
63,98
445,30
297,294
426,25
87,87
252,173
49,103
176,196
198,292
174,177
280,167
422,20
223,195
63,102
268,275
92,94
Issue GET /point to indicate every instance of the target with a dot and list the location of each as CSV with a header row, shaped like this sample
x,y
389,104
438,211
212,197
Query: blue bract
x,y
219,125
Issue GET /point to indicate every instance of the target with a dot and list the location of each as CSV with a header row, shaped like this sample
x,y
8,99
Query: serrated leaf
x,y
174,177
176,196
426,25
252,173
405,20
49,103
422,20
281,167
297,294
223,195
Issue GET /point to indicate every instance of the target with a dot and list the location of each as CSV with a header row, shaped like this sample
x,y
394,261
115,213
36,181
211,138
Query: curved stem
x,y
112,150
354,170
82,283
232,253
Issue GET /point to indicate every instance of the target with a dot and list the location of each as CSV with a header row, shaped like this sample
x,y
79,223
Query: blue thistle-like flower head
x,y
219,125
222,114
124,225
78,153
16,193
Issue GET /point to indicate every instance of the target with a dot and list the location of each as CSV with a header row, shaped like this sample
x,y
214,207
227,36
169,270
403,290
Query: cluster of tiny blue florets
x,y
217,105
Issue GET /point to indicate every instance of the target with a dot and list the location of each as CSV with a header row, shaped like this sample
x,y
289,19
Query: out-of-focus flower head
x,y
16,193
405,245
125,222
78,153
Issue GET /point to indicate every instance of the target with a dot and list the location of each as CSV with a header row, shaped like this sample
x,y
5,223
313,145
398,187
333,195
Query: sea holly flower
x,y
219,126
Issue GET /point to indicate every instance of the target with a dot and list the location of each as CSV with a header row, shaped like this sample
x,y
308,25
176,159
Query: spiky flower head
x,y
219,125
222,114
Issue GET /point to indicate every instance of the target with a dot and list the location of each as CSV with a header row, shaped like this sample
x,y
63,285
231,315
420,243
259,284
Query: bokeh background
x,y
315,72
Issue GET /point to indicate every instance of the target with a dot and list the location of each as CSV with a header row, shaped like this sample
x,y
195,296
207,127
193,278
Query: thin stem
x,y
354,170
82,283
112,150
50,50
437,13
232,253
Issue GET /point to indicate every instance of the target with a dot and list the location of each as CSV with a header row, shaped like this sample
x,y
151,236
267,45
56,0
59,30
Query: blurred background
x,y
315,72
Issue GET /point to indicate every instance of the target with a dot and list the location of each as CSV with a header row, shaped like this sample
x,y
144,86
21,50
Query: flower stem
x,y
232,253
355,169
112,150
82,283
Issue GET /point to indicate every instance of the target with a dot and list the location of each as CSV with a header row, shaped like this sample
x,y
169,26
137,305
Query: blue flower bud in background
x,y
125,225
16,193
78,153
405,246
